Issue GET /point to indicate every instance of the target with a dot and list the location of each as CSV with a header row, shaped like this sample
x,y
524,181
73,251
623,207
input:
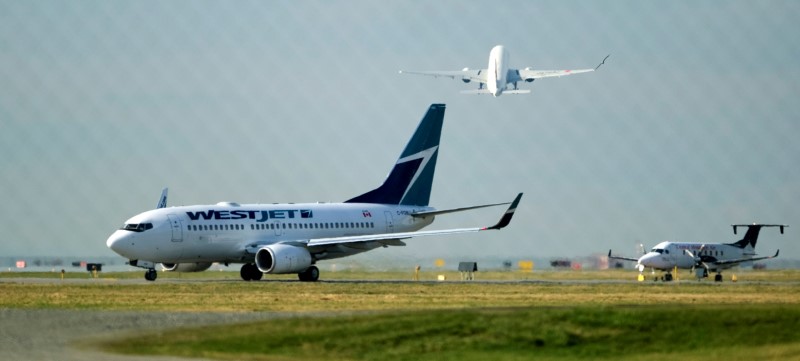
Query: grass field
x,y
566,316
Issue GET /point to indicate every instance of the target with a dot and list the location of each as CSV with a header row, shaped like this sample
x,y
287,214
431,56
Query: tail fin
x,y
751,237
410,181
162,201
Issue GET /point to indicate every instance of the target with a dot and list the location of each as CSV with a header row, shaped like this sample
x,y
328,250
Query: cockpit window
x,y
657,250
137,227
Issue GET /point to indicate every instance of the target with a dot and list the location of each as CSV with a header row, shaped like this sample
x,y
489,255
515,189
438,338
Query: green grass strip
x,y
707,332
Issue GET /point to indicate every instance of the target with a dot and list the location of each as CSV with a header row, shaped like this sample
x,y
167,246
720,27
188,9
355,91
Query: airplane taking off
x,y
498,76
292,237
702,257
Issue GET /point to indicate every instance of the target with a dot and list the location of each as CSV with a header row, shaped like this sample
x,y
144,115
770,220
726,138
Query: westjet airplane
x,y
292,237
702,257
498,76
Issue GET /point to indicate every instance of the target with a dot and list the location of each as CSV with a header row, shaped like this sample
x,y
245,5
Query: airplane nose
x,y
119,242
648,260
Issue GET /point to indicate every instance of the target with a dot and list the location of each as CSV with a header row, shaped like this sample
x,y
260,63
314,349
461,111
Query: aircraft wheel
x,y
151,275
311,274
668,277
257,274
718,277
245,272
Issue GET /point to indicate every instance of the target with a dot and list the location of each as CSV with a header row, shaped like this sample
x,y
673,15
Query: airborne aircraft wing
x,y
478,75
527,74
393,239
530,74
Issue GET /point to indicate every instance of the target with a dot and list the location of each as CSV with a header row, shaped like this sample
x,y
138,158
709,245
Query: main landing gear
x,y
311,274
250,272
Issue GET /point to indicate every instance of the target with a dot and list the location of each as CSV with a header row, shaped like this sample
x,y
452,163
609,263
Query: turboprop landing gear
x,y
311,274
151,274
250,272
718,277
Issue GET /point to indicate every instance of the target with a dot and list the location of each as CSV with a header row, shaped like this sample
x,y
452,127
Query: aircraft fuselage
x,y
220,233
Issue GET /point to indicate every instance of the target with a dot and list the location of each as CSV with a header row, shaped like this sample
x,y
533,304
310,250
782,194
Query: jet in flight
x,y
497,76
702,257
291,238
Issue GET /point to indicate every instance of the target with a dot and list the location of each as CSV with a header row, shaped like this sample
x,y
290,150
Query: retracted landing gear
x,y
250,272
151,274
311,274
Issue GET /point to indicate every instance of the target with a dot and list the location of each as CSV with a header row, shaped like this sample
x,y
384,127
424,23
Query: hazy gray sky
x,y
690,126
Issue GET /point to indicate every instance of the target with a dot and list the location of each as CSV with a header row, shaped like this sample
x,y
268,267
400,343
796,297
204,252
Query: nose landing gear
x,y
151,274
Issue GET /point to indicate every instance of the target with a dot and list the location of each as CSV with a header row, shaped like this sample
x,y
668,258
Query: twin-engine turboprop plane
x,y
291,238
497,76
702,257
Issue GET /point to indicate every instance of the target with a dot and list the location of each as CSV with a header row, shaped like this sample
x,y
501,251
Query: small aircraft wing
x,y
391,239
622,258
731,262
478,75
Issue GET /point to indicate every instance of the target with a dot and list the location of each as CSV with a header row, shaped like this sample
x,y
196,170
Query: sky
x,y
690,126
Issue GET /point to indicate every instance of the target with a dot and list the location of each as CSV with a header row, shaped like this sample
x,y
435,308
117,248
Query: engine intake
x,y
466,80
282,258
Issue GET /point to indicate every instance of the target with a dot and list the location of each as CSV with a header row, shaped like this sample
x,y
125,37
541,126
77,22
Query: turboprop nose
x,y
649,260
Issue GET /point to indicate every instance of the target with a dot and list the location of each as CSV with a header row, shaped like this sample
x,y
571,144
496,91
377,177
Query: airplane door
x,y
389,222
278,230
177,230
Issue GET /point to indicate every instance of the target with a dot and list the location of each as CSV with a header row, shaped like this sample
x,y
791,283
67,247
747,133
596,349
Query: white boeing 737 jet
x,y
497,76
291,238
702,257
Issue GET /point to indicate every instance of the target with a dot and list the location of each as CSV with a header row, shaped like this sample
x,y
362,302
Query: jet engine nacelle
x,y
529,80
466,80
185,267
282,258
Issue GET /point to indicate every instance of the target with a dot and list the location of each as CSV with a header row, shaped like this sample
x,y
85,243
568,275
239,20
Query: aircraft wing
x,y
622,258
393,239
529,74
478,75
731,262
